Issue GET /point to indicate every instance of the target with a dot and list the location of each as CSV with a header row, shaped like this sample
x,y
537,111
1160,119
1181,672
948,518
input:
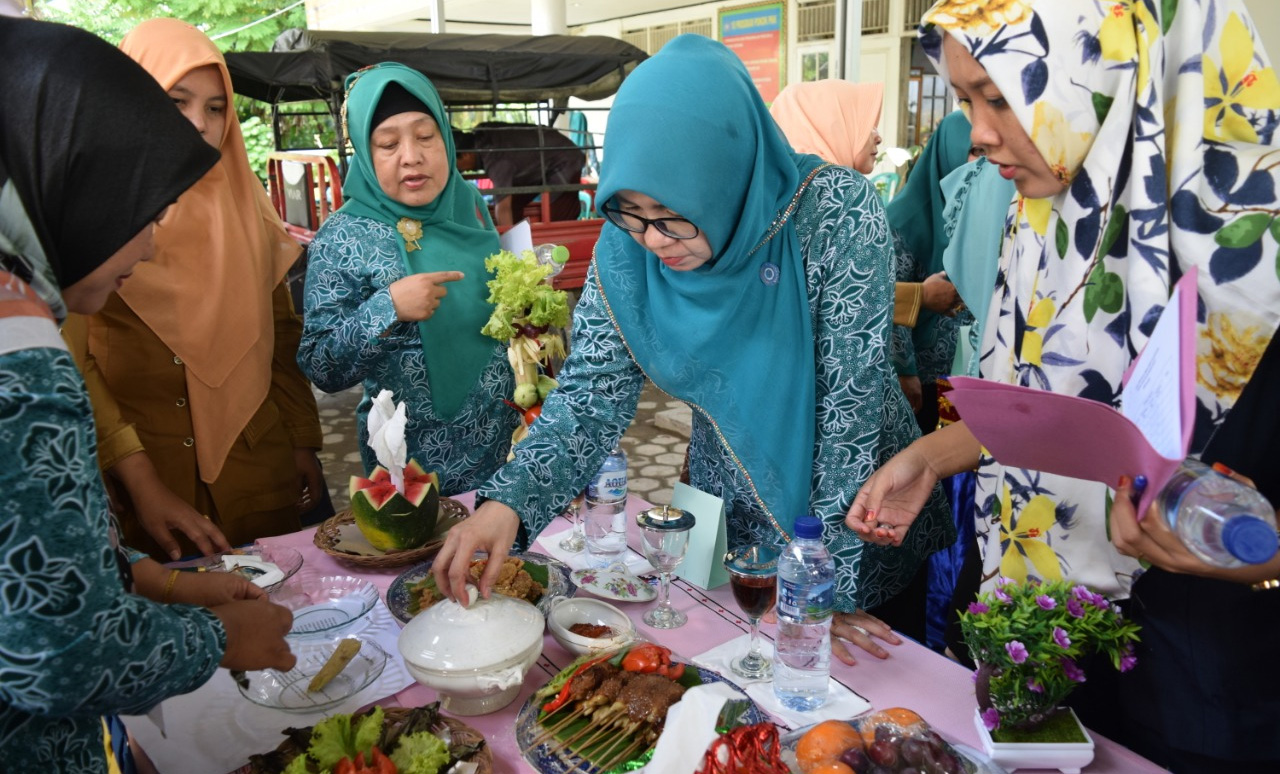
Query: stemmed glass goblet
x,y
753,575
665,532
575,541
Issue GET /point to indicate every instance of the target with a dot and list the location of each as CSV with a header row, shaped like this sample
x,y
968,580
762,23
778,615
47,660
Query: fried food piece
x,y
342,655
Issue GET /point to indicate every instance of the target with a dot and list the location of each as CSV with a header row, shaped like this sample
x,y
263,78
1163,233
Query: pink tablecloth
x,y
913,676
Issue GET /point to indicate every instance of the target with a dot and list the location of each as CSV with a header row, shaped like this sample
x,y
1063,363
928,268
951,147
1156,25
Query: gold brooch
x,y
411,231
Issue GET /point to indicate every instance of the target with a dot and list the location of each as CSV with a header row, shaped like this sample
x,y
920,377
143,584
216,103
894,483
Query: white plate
x,y
610,584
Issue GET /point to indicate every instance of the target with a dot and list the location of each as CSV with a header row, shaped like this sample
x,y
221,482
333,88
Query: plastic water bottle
x,y
806,602
1220,520
605,517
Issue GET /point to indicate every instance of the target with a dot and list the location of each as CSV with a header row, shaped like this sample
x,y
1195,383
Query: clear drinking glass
x,y
575,541
665,532
753,575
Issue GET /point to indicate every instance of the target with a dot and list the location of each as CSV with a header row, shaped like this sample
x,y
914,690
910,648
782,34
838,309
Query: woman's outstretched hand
x,y
491,529
892,497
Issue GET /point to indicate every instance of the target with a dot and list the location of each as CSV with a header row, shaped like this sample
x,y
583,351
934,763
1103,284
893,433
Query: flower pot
x,y
1067,757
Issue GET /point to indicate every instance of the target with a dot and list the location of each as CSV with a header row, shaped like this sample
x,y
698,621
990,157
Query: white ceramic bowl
x,y
474,657
567,612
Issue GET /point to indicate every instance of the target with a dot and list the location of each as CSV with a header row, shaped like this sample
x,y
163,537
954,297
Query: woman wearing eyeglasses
x,y
755,284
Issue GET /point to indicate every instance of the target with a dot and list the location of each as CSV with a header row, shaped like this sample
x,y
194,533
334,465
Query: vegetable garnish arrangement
x,y
528,314
413,741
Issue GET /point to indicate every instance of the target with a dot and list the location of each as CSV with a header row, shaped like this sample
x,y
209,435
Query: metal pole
x,y
437,16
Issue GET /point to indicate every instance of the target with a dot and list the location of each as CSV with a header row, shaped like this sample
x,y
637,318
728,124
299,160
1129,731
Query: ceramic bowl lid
x,y
488,634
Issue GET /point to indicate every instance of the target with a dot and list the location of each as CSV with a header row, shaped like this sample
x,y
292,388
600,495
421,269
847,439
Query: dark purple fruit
x,y
913,751
856,759
887,733
909,770
883,753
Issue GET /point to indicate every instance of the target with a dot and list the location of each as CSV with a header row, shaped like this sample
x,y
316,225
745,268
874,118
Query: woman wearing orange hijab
x,y
200,407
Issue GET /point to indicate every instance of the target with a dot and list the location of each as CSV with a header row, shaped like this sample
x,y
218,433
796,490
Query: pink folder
x,y
1077,437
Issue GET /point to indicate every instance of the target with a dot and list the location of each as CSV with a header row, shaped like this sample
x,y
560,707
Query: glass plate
x,y
559,584
287,691
287,559
325,604
545,761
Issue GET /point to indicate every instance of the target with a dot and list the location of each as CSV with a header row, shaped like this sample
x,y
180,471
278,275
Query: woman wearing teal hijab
x,y
750,281
395,295
924,352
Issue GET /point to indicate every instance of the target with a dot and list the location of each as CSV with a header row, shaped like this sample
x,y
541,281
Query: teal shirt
x,y
350,336
862,417
74,644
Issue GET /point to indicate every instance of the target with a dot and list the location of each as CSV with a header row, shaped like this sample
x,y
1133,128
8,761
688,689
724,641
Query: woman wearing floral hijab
x,y
91,154
207,425
752,282
1142,140
396,293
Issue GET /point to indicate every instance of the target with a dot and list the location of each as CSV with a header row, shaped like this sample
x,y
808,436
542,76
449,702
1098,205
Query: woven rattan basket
x,y
328,535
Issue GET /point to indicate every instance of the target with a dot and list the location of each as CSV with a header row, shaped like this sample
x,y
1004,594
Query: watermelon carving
x,y
389,520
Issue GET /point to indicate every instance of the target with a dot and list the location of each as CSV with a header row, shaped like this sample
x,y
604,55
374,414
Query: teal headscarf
x,y
734,336
978,200
457,235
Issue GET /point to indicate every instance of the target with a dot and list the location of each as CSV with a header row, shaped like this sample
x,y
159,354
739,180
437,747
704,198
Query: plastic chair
x,y
887,184
586,207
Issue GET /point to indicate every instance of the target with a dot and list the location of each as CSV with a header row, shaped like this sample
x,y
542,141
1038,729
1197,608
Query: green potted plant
x,y
1029,640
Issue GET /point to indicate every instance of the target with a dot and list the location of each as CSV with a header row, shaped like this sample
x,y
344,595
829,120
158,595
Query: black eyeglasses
x,y
676,228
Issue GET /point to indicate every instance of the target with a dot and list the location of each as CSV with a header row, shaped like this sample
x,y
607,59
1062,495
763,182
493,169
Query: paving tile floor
x,y
655,444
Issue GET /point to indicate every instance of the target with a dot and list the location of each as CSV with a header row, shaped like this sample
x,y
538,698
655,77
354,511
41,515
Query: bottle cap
x,y
808,527
1250,539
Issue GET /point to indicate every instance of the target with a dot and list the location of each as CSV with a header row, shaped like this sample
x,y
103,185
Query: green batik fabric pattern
x,y
1159,119
74,645
350,336
862,417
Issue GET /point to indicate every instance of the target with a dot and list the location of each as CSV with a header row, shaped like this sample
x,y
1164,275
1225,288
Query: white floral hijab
x,y
1160,119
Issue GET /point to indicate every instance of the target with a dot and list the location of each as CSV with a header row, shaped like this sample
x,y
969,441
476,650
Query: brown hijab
x,y
220,252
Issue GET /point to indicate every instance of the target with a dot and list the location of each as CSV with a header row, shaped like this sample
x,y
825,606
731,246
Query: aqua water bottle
x,y
806,603
1220,520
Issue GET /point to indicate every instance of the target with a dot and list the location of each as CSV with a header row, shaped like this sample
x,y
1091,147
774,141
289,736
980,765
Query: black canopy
x,y
466,69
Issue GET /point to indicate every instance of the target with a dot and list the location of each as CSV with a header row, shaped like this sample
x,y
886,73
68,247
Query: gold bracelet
x,y
168,587
1265,585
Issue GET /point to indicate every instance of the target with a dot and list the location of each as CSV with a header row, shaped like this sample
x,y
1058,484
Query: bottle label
x,y
608,486
807,604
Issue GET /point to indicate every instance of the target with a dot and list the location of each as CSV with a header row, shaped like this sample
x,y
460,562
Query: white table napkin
x,y
690,728
549,544
842,703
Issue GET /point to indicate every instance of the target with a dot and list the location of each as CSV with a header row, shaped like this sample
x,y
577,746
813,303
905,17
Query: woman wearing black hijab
x,y
91,153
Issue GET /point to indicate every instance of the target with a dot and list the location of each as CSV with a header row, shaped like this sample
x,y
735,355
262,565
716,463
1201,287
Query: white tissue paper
x,y
690,728
386,436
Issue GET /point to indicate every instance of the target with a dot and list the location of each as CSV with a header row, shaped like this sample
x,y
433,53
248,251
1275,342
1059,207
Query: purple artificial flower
x,y
1003,597
1033,686
1003,580
1072,671
1060,637
1083,594
1128,660
1075,608
977,608
1046,602
991,718
1017,651
1100,602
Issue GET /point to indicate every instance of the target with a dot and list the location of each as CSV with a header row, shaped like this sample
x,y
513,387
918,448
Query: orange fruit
x,y
831,767
901,717
823,744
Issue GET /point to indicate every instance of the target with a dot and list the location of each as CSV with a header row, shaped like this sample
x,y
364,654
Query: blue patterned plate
x,y
545,761
559,584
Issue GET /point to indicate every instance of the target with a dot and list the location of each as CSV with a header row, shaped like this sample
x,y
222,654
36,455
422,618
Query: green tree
x,y
111,19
